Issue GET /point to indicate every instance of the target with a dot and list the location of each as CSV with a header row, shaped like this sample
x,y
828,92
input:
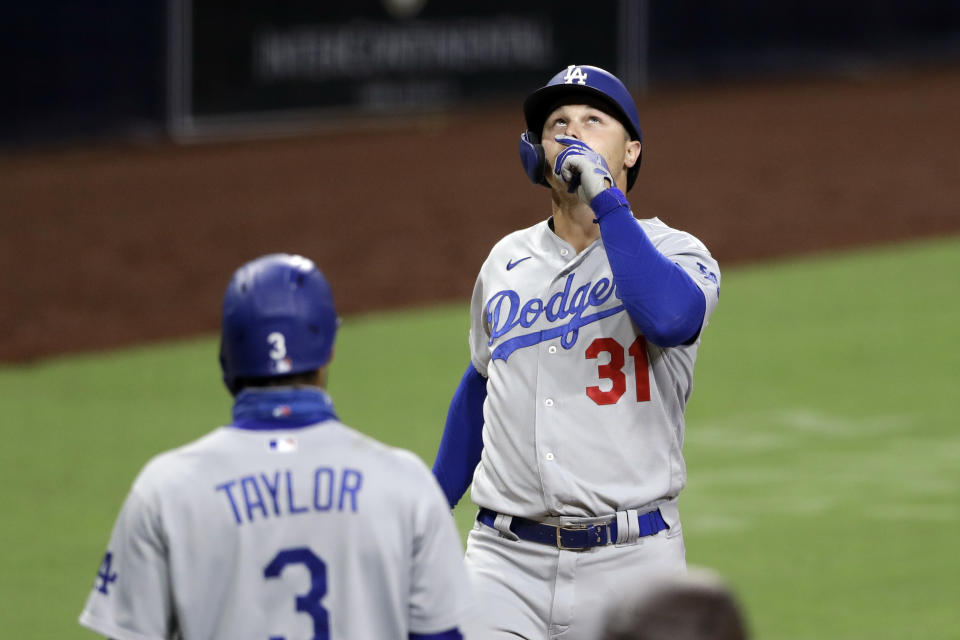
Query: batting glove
x,y
583,169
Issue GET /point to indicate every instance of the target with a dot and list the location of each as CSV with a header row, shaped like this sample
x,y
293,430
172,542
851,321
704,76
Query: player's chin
x,y
560,191
558,186
555,182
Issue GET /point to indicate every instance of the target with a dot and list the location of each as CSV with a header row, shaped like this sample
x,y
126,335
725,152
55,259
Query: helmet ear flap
x,y
532,157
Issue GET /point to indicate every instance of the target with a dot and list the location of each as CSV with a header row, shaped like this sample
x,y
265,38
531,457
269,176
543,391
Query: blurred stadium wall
x,y
85,70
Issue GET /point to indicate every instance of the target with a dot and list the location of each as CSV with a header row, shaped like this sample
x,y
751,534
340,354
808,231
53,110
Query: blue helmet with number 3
x,y
278,320
583,82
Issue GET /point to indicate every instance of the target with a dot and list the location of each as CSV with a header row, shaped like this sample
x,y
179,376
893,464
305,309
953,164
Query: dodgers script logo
x,y
504,313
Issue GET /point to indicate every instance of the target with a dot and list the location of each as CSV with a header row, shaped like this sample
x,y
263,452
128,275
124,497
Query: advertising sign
x,y
255,61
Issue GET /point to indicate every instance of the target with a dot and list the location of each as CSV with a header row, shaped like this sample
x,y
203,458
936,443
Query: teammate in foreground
x,y
285,523
696,606
569,419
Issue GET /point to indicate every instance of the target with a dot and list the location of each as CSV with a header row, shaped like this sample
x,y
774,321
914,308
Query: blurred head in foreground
x,y
698,605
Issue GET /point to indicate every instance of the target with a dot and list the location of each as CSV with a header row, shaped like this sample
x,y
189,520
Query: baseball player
x,y
285,523
583,336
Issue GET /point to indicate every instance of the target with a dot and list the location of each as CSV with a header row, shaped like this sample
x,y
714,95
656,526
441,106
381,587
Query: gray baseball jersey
x,y
312,532
583,417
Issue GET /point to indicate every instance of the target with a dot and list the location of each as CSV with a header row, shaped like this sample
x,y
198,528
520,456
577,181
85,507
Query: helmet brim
x,y
541,102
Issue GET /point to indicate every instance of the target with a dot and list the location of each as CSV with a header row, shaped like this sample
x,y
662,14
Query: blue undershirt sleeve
x,y
451,634
660,297
462,440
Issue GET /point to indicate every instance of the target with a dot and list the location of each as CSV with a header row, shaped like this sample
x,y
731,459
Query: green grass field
x,y
822,443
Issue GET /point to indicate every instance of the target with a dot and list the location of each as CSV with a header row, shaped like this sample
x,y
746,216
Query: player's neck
x,y
573,222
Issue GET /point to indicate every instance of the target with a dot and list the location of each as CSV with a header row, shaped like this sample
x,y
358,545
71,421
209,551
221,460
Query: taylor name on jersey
x,y
263,495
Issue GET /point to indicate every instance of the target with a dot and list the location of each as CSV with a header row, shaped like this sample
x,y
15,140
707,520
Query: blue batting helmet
x,y
586,82
278,320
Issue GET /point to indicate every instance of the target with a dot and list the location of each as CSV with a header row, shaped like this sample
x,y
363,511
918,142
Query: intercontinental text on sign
x,y
317,53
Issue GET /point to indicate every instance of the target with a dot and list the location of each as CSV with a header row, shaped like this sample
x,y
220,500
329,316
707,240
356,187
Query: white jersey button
x,y
552,348
549,456
548,402
564,252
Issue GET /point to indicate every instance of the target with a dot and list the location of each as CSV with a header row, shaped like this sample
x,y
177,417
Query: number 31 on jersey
x,y
613,370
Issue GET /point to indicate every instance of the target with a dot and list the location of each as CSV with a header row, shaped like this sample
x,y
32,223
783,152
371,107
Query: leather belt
x,y
574,537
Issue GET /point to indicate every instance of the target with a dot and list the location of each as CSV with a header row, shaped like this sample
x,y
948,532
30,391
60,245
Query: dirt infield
x,y
113,246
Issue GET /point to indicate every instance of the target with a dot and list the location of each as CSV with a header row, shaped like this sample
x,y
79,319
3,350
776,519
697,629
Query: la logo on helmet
x,y
575,74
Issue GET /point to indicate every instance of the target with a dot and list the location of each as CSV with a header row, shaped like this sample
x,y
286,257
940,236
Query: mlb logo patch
x,y
283,445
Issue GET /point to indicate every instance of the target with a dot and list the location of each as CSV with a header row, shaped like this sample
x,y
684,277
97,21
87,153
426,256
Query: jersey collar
x,y
281,408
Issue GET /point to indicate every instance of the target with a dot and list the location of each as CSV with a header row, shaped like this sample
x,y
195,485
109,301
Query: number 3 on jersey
x,y
613,370
309,603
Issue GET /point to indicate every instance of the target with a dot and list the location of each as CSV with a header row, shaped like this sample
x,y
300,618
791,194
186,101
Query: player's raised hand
x,y
583,169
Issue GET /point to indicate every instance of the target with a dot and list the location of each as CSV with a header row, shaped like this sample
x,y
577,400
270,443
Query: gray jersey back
x,y
583,417
261,534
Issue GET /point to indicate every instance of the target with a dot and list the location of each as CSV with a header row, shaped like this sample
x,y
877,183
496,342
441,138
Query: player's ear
x,y
323,374
632,153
